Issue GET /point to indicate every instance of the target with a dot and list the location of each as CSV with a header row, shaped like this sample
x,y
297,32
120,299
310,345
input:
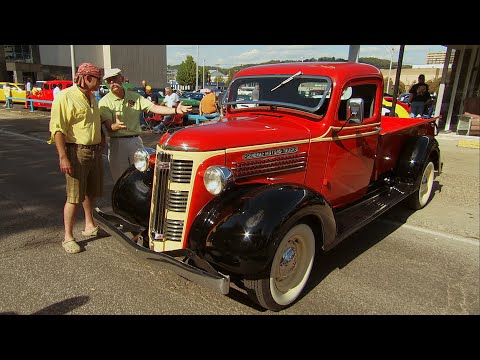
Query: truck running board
x,y
357,216
202,273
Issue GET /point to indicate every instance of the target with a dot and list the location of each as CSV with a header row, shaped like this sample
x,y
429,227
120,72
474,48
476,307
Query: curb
x,y
469,144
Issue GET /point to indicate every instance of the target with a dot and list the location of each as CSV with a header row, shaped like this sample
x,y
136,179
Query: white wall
x,y
137,62
59,55
141,62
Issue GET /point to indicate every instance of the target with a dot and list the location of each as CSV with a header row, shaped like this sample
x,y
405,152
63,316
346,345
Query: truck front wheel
x,y
289,271
422,196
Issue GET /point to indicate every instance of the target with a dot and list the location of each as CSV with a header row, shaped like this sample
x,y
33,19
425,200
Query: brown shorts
x,y
87,176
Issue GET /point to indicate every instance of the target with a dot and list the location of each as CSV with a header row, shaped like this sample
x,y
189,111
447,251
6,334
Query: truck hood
x,y
237,131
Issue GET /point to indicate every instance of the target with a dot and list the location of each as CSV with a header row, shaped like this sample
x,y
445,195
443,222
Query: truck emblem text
x,y
261,154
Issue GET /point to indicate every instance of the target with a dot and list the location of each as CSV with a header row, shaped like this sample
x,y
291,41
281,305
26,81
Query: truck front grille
x,y
168,200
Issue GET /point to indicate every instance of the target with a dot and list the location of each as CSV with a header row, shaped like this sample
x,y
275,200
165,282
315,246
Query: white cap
x,y
111,73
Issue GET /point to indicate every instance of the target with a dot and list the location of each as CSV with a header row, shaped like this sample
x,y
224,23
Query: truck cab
x,y
287,172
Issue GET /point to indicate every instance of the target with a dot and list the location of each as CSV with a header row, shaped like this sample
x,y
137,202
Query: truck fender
x,y
132,194
240,230
414,156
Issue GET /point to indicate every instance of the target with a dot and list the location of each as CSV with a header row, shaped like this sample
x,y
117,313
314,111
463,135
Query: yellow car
x,y
18,91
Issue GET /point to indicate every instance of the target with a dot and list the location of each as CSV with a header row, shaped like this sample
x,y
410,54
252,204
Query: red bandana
x,y
89,69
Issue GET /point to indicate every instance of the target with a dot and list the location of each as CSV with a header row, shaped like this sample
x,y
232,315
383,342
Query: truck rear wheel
x,y
289,271
422,196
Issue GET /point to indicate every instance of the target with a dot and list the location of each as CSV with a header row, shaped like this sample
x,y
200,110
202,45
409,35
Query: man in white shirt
x,y
170,100
56,90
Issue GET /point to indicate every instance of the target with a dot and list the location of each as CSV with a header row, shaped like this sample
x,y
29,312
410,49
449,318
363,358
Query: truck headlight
x,y
217,179
141,158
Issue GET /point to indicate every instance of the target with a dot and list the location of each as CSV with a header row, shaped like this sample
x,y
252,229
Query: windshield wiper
x,y
287,81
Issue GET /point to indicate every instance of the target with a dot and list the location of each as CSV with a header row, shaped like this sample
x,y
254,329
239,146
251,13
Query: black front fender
x,y
240,230
131,195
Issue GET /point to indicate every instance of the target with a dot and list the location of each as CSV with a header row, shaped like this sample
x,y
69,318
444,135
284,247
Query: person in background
x,y
125,107
28,91
56,90
419,95
170,100
7,90
208,105
144,85
76,129
36,89
153,97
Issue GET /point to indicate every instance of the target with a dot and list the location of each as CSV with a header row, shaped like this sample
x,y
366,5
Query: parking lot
x,y
424,262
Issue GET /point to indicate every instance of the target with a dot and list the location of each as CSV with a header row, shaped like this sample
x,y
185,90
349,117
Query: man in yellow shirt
x,y
208,105
75,129
127,106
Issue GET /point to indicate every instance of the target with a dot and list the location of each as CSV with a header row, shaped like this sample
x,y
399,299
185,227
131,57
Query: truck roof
x,y
339,71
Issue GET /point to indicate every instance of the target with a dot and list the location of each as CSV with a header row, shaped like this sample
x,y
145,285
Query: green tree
x,y
433,85
187,72
401,86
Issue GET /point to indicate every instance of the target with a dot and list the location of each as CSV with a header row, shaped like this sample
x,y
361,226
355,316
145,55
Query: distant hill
x,y
379,63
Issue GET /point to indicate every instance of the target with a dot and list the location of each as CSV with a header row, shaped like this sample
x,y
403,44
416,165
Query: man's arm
x,y
65,165
164,110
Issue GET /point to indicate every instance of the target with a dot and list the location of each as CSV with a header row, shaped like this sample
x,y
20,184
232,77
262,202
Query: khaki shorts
x,y
87,176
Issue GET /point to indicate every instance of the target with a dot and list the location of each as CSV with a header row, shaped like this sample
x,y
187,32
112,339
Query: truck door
x,y
352,150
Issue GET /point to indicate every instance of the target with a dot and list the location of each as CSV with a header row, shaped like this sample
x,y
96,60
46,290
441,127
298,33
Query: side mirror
x,y
355,110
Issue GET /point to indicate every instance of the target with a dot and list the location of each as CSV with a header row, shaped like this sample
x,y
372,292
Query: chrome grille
x,y
181,171
168,171
173,230
177,201
270,165
162,171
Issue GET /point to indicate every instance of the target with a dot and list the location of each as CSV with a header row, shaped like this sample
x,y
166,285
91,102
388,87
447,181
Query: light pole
x,y
390,70
203,75
196,83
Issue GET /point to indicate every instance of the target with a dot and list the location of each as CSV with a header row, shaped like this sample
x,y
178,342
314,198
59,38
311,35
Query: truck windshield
x,y
304,92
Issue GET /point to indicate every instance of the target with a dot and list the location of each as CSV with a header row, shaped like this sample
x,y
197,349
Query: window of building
x,y
18,53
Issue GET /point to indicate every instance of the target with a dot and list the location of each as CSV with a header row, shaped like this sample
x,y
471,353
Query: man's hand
x,y
65,166
118,125
182,109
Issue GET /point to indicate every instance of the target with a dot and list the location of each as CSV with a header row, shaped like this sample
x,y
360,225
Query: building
x,y
46,62
438,58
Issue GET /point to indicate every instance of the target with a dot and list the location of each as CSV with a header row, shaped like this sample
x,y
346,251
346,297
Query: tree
x,y
401,86
434,85
187,72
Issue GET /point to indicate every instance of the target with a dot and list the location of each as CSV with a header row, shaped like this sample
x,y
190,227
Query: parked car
x,y
18,91
403,98
47,93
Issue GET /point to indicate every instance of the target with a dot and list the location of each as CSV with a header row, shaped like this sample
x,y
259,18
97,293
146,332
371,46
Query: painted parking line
x,y
471,241
28,137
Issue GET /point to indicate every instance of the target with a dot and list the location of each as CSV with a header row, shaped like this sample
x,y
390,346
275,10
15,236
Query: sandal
x,y
71,246
91,232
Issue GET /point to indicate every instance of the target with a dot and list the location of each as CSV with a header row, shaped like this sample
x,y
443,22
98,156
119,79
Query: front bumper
x,y
191,267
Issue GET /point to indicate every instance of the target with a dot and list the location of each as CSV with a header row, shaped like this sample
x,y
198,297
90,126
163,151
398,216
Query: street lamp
x,y
390,70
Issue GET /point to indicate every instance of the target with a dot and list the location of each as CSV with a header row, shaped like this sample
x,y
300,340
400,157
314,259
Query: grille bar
x,y
267,166
162,168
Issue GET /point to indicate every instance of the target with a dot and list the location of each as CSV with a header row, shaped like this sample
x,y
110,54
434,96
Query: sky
x,y
227,56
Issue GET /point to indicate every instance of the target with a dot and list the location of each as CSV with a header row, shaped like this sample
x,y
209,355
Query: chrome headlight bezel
x,y
141,158
217,179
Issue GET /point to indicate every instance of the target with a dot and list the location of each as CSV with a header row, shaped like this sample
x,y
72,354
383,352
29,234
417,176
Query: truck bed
x,y
394,132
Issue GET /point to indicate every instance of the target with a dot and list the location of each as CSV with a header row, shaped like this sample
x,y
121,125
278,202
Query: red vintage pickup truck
x,y
254,196
45,95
